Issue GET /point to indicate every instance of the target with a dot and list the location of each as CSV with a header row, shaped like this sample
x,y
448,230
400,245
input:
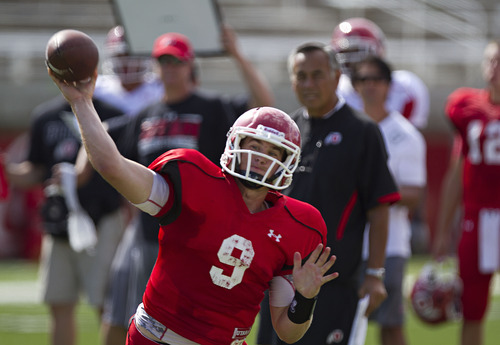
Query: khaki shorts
x,y
65,274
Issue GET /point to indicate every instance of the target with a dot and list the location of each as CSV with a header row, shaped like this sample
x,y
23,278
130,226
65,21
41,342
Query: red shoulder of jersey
x,y
168,164
464,101
307,215
186,155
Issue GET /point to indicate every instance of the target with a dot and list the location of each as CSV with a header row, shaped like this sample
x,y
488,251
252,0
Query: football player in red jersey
x,y
475,114
226,235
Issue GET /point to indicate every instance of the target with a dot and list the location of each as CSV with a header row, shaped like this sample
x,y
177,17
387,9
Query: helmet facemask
x,y
130,69
119,61
278,174
355,51
356,38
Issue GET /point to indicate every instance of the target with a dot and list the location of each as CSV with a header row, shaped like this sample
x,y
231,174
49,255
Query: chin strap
x,y
255,176
250,184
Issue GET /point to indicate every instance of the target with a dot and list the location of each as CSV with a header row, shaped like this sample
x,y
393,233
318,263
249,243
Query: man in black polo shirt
x,y
344,173
65,273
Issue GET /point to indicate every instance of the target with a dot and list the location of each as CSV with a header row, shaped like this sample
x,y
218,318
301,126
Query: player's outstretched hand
x,y
309,277
75,91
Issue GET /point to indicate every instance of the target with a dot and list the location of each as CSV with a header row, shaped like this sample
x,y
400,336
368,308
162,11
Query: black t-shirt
x,y
55,138
343,172
200,122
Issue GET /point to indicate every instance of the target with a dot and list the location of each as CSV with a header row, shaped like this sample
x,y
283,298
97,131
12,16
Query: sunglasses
x,y
170,60
365,78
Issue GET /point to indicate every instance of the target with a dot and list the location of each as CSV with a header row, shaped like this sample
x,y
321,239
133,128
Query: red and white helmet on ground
x,y
266,124
354,39
435,296
118,60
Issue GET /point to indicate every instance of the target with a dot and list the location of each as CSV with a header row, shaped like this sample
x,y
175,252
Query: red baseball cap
x,y
175,44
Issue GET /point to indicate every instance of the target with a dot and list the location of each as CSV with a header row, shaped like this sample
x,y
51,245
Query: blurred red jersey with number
x,y
478,122
216,258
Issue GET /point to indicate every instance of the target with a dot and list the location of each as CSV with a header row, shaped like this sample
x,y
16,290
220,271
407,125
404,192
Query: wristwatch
x,y
376,272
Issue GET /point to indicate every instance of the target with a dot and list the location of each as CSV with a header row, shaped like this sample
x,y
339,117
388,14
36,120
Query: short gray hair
x,y
309,47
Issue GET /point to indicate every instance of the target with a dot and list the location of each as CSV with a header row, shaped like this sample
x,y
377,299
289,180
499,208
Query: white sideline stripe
x,y
26,292
19,292
30,323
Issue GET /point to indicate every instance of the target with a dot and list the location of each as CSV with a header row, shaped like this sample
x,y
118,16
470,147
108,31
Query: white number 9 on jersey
x,y
240,263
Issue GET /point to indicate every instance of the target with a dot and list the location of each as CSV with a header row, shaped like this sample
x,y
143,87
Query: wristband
x,y
301,308
376,272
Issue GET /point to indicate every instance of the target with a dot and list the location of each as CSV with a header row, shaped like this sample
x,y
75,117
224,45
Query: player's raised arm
x,y
132,180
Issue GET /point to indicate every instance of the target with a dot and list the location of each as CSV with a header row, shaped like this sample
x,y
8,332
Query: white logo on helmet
x,y
270,130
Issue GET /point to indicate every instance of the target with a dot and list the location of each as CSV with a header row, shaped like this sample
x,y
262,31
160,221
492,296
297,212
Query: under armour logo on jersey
x,y
333,138
271,235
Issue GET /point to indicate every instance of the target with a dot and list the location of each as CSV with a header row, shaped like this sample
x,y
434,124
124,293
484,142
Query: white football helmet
x,y
435,296
118,61
356,38
273,126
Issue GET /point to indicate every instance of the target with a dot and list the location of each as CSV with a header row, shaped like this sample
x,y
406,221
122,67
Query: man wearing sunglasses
x,y
371,78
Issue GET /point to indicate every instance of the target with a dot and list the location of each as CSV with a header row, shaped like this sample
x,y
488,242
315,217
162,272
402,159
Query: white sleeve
x,y
419,95
158,196
412,168
281,292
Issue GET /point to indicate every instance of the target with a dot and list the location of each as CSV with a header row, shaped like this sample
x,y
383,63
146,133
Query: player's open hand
x,y
309,277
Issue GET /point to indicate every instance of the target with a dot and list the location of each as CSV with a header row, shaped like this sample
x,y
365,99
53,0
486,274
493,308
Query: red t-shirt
x,y
216,259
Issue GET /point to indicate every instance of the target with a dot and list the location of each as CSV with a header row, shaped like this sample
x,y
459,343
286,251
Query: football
x,y
72,55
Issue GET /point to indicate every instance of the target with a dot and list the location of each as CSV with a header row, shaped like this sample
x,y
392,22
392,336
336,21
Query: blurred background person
x,y
65,273
21,228
343,173
360,192
127,81
354,39
371,78
475,114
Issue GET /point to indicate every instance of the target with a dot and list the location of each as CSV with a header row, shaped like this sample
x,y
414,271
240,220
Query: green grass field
x,y
24,321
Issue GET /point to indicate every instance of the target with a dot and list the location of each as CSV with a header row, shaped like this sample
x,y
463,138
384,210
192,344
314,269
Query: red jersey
x,y
478,123
216,259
